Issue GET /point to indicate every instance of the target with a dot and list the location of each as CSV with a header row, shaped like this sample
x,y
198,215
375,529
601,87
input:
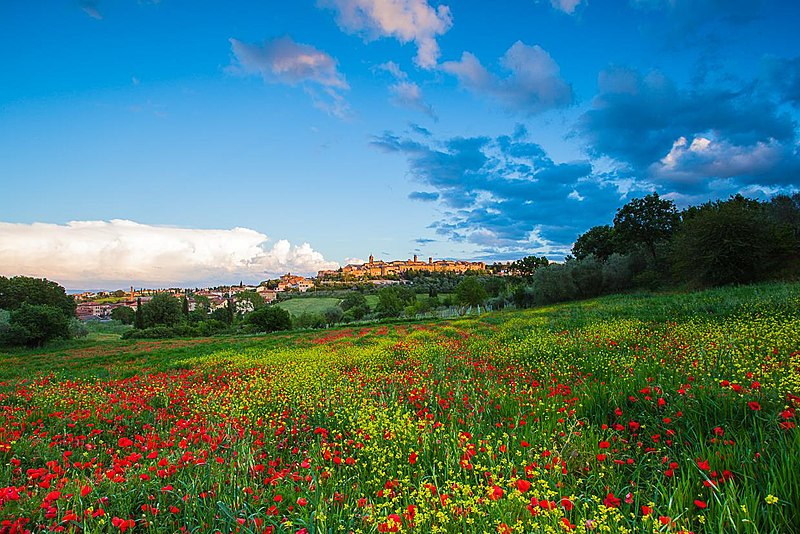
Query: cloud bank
x,y
504,195
119,253
404,20
284,61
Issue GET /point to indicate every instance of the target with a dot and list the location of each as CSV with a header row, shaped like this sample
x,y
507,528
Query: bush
x,y
587,274
309,320
154,332
617,273
270,319
554,283
333,315
35,325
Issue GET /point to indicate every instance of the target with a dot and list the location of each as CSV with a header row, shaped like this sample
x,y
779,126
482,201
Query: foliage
x,y
162,310
527,266
123,314
19,290
269,319
393,299
598,241
247,301
470,292
626,414
645,221
33,325
726,242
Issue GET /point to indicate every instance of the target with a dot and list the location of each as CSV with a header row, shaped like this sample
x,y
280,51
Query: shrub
x,y
269,319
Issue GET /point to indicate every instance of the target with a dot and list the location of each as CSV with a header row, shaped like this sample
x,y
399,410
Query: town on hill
x,y
101,304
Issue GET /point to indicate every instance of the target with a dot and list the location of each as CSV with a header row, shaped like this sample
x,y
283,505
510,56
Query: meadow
x,y
634,413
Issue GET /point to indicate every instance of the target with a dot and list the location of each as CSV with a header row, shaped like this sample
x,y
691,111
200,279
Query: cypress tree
x,y
138,321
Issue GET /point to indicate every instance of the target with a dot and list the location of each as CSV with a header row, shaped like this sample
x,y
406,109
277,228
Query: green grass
x,y
303,305
587,401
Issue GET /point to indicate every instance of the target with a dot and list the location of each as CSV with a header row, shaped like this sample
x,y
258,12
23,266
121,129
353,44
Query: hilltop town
x,y
99,305
379,268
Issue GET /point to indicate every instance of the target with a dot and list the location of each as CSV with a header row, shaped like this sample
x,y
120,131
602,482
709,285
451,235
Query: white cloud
x,y
706,158
406,93
567,6
285,61
534,84
121,252
404,20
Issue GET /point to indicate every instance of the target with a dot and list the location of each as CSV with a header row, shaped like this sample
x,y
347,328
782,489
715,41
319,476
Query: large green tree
x,y
162,310
527,266
35,324
597,241
123,314
724,242
470,292
19,290
645,222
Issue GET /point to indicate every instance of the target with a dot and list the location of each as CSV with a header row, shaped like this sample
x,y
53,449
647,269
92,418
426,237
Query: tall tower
x,y
415,258
371,259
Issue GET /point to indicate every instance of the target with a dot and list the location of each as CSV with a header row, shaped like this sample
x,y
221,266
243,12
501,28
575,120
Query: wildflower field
x,y
642,413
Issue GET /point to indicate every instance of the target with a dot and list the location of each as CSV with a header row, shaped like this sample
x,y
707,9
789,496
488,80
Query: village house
x,y
290,281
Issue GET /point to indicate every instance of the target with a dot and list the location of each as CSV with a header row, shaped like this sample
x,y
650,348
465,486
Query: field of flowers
x,y
624,414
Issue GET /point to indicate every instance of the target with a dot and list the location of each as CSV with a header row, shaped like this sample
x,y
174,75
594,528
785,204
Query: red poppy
x,y
611,502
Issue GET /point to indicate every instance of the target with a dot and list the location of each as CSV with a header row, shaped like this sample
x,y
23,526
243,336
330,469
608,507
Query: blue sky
x,y
166,142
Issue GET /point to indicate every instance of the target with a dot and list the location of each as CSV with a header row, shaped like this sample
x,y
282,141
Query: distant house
x,y
299,283
267,294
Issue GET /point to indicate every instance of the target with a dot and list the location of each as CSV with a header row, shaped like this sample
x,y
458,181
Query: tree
x,y
470,292
724,242
389,303
247,301
597,241
138,318
355,304
19,290
163,309
35,324
527,266
185,306
123,314
269,319
647,222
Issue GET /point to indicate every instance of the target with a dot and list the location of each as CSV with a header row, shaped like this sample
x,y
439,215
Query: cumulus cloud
x,y
404,20
284,61
505,195
533,85
645,122
705,158
406,93
122,252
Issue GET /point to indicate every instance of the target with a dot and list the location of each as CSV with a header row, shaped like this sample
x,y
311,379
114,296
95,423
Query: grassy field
x,y
635,413
299,306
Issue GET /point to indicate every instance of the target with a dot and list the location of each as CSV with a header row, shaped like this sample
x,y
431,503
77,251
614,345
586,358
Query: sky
x,y
183,143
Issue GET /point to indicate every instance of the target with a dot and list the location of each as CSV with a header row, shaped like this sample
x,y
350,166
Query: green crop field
x,y
299,306
625,414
